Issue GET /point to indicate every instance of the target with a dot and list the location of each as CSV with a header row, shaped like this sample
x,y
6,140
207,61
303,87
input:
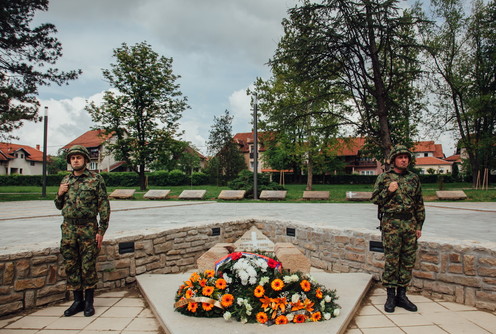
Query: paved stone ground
x,y
35,223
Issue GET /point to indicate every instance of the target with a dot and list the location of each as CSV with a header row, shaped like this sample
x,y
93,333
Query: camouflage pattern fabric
x,y
403,213
85,199
80,250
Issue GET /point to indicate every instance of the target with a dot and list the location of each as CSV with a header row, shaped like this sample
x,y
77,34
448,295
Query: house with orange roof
x,y
101,160
246,145
20,159
356,162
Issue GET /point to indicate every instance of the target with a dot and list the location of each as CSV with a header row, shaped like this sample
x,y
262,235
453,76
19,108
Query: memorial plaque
x,y
322,195
192,194
358,195
451,194
122,193
254,240
157,194
273,194
232,194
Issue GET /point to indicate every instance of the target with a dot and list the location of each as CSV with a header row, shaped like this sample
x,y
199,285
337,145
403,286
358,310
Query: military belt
x,y
80,221
402,216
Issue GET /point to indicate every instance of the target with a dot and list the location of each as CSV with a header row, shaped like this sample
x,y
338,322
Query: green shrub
x,y
177,178
199,178
244,181
159,178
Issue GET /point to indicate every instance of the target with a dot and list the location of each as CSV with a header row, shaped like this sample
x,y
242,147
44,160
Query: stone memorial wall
x,y
462,272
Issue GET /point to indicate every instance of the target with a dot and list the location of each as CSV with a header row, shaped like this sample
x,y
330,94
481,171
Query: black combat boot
x,y
403,301
78,304
390,301
89,310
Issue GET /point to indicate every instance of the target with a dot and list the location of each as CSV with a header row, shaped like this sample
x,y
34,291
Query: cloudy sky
x,y
219,48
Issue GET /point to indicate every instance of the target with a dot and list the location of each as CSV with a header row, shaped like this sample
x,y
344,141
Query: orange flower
x,y
189,293
203,282
259,291
262,317
209,273
316,316
208,290
308,305
207,306
318,293
297,306
281,320
194,277
192,307
227,300
277,284
189,284
305,285
221,284
265,302
300,318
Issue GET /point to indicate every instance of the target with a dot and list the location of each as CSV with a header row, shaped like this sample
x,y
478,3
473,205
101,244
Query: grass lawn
x,y
295,192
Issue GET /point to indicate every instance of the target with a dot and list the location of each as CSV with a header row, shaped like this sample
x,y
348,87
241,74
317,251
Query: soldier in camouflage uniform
x,y
82,196
399,196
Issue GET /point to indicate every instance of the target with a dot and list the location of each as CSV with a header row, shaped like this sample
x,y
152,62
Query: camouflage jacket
x,y
86,198
407,199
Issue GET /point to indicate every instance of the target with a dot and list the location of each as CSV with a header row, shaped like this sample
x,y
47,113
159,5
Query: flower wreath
x,y
251,287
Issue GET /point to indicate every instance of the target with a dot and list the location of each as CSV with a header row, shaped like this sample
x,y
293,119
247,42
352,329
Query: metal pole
x,y
255,150
45,132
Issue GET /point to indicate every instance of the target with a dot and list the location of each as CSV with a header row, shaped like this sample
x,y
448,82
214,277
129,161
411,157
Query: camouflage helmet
x,y
397,150
78,149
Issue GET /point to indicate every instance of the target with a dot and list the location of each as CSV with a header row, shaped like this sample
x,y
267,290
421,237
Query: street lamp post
x,y
45,132
255,149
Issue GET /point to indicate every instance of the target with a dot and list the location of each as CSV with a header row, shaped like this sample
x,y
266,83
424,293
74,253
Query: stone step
x,y
159,291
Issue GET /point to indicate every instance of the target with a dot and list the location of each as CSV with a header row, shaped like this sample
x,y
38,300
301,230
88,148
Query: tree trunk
x,y
142,177
309,173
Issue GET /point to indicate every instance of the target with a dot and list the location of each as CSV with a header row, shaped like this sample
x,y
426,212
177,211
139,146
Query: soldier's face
x,y
401,161
77,162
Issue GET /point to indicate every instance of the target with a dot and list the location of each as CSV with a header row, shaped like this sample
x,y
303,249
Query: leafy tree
x,y
143,110
26,56
177,155
365,49
227,160
57,163
463,51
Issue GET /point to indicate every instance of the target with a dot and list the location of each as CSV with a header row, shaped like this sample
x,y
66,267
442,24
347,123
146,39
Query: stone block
x,y
208,259
273,195
192,194
316,195
358,196
122,193
232,194
156,194
254,240
292,259
451,195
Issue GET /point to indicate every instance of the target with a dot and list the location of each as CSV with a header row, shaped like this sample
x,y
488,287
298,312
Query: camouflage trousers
x,y
400,248
79,250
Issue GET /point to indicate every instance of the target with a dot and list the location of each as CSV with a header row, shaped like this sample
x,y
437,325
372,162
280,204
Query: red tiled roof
x,y
422,161
244,139
8,150
92,138
349,146
454,158
429,146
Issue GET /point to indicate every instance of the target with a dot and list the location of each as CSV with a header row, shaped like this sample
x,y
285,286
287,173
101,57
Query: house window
x,y
426,154
22,156
93,165
20,171
32,163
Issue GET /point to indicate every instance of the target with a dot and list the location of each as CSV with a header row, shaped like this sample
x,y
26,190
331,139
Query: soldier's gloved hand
x,y
393,186
99,240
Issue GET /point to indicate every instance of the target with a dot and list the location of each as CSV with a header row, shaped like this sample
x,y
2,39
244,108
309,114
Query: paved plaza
x,y
35,224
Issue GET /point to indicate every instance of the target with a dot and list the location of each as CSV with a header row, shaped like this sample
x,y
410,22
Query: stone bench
x,y
316,195
358,195
122,194
273,194
156,194
232,194
292,258
192,194
451,194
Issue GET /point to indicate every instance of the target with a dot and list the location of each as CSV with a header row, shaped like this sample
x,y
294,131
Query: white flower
x,y
337,312
227,278
253,280
328,299
240,301
244,320
264,280
322,304
287,279
227,316
295,298
290,317
327,316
